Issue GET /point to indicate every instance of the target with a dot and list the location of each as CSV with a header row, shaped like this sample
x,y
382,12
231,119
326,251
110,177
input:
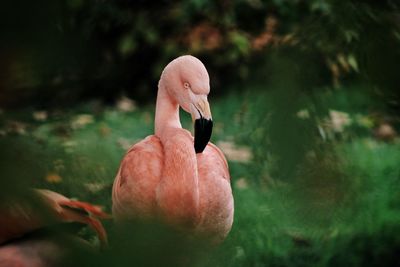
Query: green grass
x,y
341,209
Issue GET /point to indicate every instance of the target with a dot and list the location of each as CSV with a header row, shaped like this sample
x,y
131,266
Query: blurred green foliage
x,y
60,53
334,202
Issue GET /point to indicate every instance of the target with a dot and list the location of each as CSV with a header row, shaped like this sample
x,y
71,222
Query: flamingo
x,y
20,217
171,176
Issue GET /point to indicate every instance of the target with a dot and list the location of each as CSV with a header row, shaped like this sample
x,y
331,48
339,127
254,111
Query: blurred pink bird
x,y
21,217
183,181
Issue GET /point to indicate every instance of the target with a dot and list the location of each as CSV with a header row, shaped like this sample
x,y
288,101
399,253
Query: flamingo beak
x,y
201,116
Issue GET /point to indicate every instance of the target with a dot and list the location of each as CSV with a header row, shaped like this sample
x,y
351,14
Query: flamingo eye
x,y
186,85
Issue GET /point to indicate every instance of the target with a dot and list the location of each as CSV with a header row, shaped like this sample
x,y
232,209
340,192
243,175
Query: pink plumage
x,y
162,176
20,217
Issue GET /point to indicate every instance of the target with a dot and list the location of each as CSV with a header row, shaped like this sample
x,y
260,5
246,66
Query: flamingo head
x,y
187,82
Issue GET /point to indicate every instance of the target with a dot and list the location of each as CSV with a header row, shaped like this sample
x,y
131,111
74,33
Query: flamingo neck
x,y
178,191
167,112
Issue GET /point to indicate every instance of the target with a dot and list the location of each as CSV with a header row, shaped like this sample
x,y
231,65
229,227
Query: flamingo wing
x,y
19,217
134,189
216,200
215,156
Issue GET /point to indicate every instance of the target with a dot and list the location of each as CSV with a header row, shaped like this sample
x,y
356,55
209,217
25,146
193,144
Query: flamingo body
x,y
162,176
20,218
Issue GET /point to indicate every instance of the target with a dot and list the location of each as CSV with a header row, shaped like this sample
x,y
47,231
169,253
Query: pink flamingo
x,y
20,217
170,175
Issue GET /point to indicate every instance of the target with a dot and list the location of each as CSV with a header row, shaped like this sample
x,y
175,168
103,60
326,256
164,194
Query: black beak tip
x,y
202,134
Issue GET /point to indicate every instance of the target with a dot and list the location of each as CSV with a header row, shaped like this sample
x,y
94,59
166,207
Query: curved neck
x,y
178,190
167,112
